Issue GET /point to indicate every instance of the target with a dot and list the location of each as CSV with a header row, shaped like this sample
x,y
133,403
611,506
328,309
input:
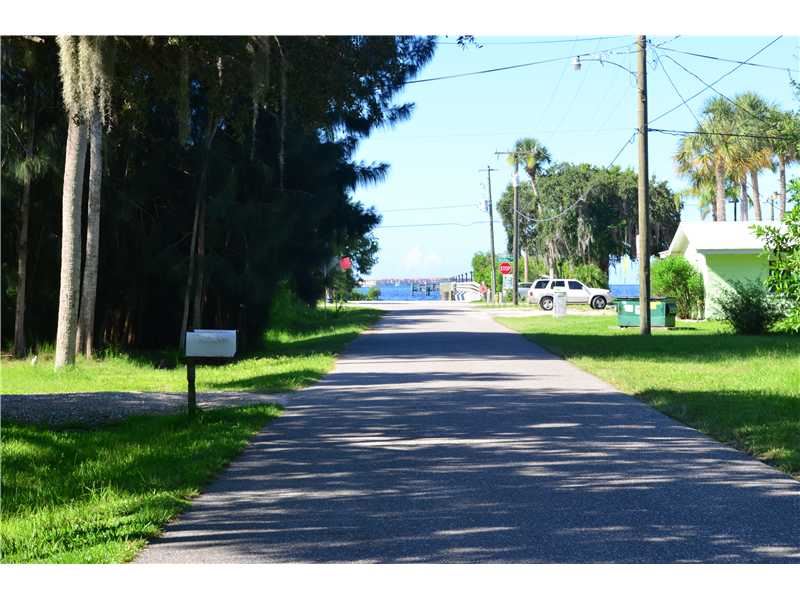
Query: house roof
x,y
722,237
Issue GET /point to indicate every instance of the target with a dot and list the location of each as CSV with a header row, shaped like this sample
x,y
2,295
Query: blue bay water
x,y
402,292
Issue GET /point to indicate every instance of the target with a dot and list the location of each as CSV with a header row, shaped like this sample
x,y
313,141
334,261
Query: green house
x,y
723,252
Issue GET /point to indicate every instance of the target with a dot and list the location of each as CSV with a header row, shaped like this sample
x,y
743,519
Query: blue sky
x,y
581,116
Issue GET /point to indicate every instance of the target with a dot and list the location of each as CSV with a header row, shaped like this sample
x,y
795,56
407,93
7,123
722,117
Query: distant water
x,y
622,289
401,292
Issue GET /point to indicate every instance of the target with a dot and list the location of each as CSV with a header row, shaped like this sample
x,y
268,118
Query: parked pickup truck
x,y
541,293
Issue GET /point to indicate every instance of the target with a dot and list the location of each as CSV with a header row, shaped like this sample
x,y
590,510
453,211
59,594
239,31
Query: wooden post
x,y
190,370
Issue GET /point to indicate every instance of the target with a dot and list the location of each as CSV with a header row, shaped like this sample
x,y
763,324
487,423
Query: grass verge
x,y
298,349
742,390
96,496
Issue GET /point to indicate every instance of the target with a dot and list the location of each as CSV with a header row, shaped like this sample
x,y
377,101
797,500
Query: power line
x,y
686,104
519,66
446,224
418,208
721,133
728,60
538,42
736,104
723,76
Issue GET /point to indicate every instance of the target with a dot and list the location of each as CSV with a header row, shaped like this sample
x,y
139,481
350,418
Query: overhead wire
x,y
721,133
539,42
509,67
729,60
716,81
674,87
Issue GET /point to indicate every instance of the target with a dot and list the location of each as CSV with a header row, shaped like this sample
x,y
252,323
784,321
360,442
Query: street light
x,y
643,206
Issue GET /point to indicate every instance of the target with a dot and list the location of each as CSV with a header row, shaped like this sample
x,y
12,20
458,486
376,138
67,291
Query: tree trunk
x,y
201,258
201,187
744,212
20,348
756,195
782,188
719,175
74,164
85,342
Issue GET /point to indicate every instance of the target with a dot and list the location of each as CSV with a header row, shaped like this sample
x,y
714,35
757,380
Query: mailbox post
x,y
205,343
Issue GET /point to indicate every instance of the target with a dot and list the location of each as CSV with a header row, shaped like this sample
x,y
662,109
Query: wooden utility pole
x,y
516,229
644,210
491,233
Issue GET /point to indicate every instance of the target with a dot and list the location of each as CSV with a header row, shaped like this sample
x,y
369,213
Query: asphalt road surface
x,y
443,437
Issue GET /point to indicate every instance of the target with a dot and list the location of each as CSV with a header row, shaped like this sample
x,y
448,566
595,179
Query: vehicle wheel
x,y
598,303
546,303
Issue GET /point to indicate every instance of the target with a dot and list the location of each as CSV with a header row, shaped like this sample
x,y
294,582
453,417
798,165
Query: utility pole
x,y
644,210
516,229
491,233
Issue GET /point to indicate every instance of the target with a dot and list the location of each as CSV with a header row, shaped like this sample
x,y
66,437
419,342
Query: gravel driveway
x,y
96,408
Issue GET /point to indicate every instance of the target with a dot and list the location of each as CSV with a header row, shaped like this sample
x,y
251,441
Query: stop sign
x,y
505,268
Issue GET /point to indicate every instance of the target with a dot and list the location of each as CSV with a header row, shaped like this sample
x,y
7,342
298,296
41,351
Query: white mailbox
x,y
211,343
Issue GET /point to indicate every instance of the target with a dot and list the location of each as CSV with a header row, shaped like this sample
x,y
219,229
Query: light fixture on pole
x,y
576,63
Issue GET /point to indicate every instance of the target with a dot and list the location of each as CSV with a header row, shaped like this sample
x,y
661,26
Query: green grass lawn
x,y
742,390
96,495
298,350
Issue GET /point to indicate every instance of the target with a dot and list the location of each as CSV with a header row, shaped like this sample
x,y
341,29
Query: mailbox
x,y
211,343
206,343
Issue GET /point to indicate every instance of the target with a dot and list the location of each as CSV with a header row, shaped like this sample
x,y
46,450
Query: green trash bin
x,y
663,311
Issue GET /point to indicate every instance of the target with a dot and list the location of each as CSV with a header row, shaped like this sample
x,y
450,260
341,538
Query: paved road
x,y
443,437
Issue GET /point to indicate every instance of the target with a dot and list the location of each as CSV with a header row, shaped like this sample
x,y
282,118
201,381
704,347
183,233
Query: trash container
x,y
663,311
559,304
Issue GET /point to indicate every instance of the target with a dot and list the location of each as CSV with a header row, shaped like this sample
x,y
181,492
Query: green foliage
x,y
278,184
742,390
676,277
601,226
589,274
783,248
482,269
748,307
374,293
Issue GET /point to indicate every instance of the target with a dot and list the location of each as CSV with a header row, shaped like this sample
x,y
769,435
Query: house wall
x,y
721,269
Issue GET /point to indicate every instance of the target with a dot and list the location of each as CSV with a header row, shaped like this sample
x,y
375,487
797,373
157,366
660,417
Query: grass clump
x,y
742,390
96,496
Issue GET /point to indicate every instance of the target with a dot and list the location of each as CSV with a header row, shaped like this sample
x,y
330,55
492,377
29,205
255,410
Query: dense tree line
x,y
155,184
579,214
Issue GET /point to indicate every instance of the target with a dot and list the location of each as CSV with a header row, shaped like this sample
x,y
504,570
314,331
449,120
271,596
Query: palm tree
x,y
786,147
695,159
85,94
533,156
752,118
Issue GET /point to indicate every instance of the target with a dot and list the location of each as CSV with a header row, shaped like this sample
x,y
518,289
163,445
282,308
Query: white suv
x,y
542,290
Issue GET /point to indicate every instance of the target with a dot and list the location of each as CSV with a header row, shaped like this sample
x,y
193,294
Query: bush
x,y
783,248
374,293
675,276
748,307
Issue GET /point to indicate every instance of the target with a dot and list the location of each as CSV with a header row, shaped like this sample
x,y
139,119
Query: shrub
x,y
783,248
675,276
748,307
589,274
374,293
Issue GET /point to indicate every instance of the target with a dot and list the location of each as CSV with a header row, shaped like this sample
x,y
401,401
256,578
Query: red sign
x,y
505,268
345,263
